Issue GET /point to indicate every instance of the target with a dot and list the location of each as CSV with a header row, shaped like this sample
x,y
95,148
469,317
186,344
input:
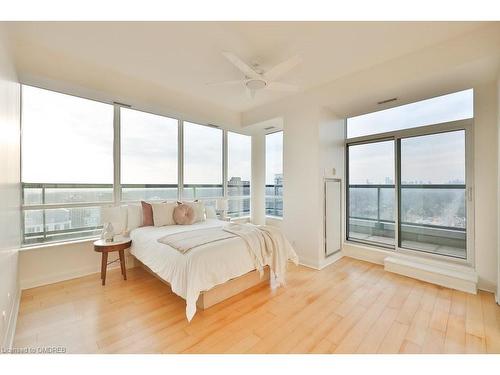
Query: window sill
x,y
56,244
274,217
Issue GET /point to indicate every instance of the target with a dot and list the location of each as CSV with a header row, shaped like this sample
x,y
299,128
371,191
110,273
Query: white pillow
x,y
199,210
117,216
210,212
163,214
134,217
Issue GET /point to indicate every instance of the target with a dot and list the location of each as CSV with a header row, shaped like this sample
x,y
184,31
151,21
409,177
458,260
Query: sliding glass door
x,y
409,190
432,189
371,192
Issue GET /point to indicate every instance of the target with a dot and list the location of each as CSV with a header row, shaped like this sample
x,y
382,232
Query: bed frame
x,y
224,291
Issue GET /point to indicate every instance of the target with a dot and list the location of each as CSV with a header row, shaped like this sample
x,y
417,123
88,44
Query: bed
x,y
201,268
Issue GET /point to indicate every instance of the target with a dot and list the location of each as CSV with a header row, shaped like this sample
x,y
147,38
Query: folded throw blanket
x,y
185,241
268,246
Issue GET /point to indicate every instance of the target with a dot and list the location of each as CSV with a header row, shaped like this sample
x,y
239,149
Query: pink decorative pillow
x,y
184,214
147,215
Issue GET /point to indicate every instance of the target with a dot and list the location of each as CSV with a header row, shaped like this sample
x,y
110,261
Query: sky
x,y
451,107
274,156
438,158
70,140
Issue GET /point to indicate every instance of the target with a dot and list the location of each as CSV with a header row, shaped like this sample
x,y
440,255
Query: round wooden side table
x,y
104,248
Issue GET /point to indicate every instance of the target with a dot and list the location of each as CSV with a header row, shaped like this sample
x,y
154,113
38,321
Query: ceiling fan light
x,y
256,84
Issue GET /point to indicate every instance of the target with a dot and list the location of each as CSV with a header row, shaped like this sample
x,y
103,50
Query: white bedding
x,y
198,270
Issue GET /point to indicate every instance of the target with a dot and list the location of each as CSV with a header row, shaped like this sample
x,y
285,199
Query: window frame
x,y
467,126
117,186
226,176
265,171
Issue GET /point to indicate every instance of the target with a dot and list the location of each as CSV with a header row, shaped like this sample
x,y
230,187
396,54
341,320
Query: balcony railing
x,y
60,211
54,212
371,216
274,200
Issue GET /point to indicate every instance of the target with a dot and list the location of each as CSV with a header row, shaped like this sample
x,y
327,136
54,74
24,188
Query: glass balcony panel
x,y
371,214
238,207
78,195
434,220
148,193
32,196
61,224
201,192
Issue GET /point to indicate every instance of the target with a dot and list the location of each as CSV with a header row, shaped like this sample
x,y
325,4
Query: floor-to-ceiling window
x,y
79,155
274,174
239,171
149,162
203,167
67,164
409,179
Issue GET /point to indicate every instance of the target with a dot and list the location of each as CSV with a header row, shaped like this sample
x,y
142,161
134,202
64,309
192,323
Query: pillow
x,y
184,214
163,214
134,217
210,212
117,216
198,208
147,214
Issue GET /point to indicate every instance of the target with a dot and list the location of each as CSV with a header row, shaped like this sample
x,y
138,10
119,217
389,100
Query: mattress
x,y
198,270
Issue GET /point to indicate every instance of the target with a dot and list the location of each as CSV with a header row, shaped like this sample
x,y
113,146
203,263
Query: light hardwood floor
x,y
349,307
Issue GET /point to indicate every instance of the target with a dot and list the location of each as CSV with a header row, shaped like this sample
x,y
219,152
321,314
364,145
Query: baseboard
x,y
331,259
308,264
72,274
326,262
8,341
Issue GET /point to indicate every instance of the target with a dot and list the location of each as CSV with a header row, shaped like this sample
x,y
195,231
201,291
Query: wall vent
x,y
387,101
122,104
269,128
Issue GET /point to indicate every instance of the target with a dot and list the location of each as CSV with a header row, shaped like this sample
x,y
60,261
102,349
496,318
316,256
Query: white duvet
x,y
198,270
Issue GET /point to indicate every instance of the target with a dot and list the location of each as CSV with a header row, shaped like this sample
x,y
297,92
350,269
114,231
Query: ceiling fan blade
x,y
278,86
241,65
282,68
250,93
226,83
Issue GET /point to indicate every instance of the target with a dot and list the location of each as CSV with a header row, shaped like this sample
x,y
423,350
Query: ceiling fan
x,y
256,79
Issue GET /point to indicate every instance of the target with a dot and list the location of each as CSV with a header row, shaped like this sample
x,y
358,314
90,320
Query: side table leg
x,y
122,264
104,266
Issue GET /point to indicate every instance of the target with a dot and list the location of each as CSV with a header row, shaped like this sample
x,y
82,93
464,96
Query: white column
x,y
258,202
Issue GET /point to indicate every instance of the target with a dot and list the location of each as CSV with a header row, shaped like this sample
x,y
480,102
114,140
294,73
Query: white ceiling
x,y
184,56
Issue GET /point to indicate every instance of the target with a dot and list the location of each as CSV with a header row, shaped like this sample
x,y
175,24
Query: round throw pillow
x,y
184,214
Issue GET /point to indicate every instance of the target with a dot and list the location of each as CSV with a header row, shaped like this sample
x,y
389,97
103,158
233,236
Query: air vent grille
x,y
387,101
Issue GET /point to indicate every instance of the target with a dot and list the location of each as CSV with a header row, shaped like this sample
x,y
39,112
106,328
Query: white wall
x,y
331,165
9,194
312,147
498,192
485,184
57,262
257,204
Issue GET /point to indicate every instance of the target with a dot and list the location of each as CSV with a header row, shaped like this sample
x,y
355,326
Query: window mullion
x,y
180,160
397,192
117,191
224,164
